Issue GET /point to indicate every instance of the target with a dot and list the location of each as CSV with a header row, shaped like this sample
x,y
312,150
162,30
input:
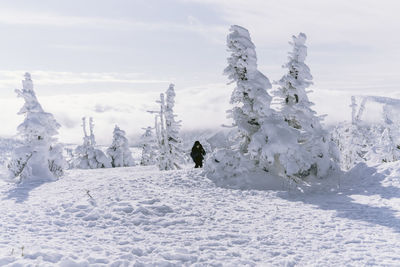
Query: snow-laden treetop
x,y
242,64
31,102
251,84
299,49
170,97
299,76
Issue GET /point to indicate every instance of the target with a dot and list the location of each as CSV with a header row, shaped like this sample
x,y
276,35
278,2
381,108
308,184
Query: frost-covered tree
x,y
351,143
251,100
172,128
386,147
163,159
89,157
361,141
149,147
170,152
40,157
119,151
318,151
280,143
263,139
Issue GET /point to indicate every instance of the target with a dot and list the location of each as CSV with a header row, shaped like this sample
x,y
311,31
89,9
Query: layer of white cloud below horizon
x,y
200,108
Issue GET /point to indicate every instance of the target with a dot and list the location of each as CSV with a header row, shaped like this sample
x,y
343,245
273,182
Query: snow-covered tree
x,y
172,128
361,141
250,97
297,112
40,156
119,151
149,147
89,157
259,128
163,159
386,147
170,152
276,142
351,143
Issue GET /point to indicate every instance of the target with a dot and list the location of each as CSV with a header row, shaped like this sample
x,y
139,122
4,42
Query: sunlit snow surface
x,y
138,215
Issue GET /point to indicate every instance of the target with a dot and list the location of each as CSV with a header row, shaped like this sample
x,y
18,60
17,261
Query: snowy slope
x,y
141,216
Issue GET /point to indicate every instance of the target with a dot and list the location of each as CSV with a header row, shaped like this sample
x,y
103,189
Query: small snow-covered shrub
x,y
225,164
149,148
87,156
119,151
361,141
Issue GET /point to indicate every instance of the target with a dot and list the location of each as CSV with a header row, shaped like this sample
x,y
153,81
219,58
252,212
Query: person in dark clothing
x,y
197,154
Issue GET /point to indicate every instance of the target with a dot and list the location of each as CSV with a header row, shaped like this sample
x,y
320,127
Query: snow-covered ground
x,y
140,216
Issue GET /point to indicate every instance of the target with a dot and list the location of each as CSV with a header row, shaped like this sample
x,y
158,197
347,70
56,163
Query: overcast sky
x,y
110,59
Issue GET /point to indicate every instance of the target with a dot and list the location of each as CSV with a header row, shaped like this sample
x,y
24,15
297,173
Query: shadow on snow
x,y
361,180
20,192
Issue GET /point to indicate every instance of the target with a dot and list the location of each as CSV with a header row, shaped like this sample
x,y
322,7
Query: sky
x,y
110,59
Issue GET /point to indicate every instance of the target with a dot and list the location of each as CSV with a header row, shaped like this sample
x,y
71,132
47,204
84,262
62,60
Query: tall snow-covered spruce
x,y
40,157
255,147
89,157
119,152
269,143
319,153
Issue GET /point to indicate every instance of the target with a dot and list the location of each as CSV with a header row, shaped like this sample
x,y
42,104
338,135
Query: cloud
x,y
199,108
9,16
57,77
349,26
55,82
196,107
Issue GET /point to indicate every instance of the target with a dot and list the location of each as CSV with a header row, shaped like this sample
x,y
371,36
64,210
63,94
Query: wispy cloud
x,y
56,77
362,22
20,17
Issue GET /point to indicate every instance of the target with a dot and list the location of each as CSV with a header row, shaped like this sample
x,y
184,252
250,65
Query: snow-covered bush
x,y
388,146
318,152
361,141
87,156
119,151
39,157
149,148
225,165
352,141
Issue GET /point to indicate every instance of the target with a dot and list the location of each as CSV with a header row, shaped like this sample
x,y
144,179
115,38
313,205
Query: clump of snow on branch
x,y
119,152
89,157
39,157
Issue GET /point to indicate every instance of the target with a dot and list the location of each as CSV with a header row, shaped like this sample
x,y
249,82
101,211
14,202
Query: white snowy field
x,y
139,216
